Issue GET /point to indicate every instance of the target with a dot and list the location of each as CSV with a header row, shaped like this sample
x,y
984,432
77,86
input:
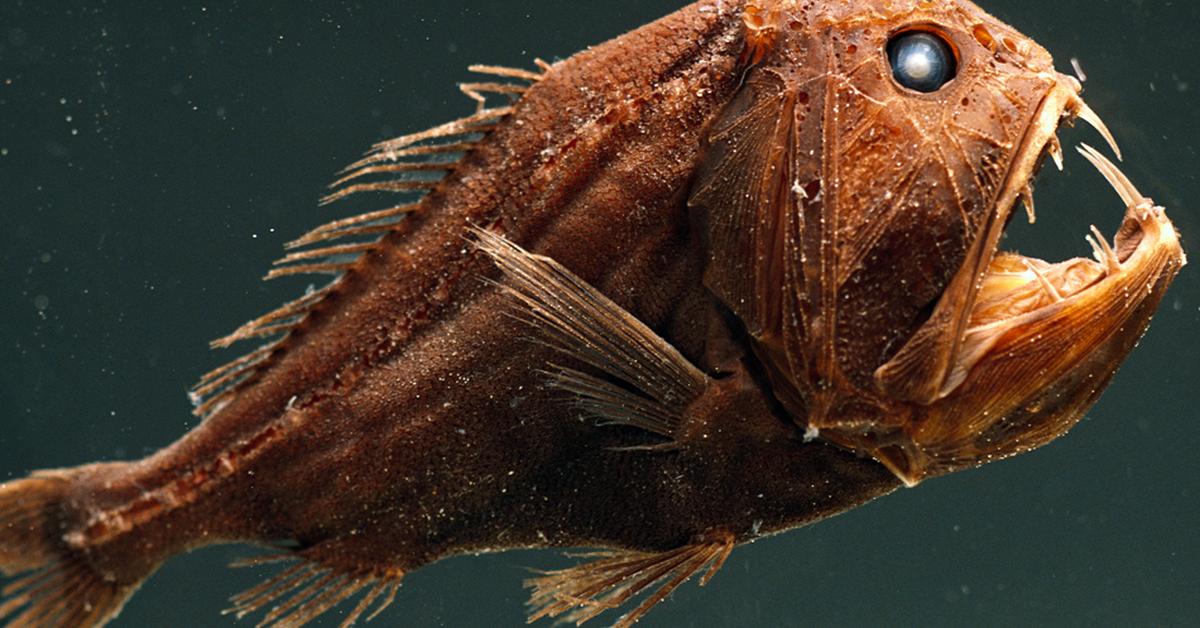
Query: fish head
x,y
893,141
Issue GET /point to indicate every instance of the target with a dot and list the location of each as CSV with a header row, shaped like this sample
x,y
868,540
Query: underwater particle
x,y
361,366
41,302
1075,65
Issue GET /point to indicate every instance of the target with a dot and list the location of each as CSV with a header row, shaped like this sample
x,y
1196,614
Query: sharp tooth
x,y
1055,295
1027,201
1124,187
1087,115
1103,252
1055,148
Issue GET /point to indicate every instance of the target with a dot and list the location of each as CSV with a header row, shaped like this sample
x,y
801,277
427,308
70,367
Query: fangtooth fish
x,y
754,245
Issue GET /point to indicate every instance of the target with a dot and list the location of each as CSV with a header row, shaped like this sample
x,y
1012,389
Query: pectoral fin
x,y
643,381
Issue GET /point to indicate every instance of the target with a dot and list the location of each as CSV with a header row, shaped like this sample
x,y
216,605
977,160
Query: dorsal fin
x,y
410,165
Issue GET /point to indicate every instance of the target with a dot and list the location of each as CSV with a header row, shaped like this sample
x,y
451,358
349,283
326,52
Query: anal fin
x,y
578,594
309,588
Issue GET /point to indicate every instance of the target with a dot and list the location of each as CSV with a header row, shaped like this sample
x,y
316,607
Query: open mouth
x,y
1018,348
997,292
1016,290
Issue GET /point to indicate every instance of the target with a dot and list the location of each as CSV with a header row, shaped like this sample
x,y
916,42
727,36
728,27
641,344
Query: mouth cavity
x,y
1029,283
1015,284
1039,338
997,292
1017,290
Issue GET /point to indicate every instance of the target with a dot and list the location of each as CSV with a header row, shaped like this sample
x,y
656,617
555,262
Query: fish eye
x,y
921,61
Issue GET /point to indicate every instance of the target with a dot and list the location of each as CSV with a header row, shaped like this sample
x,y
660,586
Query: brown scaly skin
x,y
424,411
404,419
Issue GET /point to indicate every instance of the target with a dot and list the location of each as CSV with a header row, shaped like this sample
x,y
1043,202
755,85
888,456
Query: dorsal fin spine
x,y
342,227
327,268
329,251
216,388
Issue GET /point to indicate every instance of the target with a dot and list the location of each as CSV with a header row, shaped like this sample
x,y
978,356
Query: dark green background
x,y
153,159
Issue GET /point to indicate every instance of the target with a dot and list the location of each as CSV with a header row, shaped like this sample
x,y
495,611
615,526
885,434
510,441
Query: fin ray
x,y
53,584
401,167
393,186
581,593
579,321
303,591
475,123
329,251
419,162
336,229
507,72
327,268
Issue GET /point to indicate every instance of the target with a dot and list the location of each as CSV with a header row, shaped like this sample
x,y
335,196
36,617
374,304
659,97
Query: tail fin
x,y
52,583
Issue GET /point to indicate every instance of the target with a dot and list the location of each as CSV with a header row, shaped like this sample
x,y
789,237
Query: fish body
x,y
686,233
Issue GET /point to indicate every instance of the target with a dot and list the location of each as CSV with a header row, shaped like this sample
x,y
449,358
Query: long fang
x,y
1124,187
1086,114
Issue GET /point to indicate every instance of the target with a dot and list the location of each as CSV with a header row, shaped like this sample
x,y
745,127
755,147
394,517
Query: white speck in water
x,y
1078,70
41,302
